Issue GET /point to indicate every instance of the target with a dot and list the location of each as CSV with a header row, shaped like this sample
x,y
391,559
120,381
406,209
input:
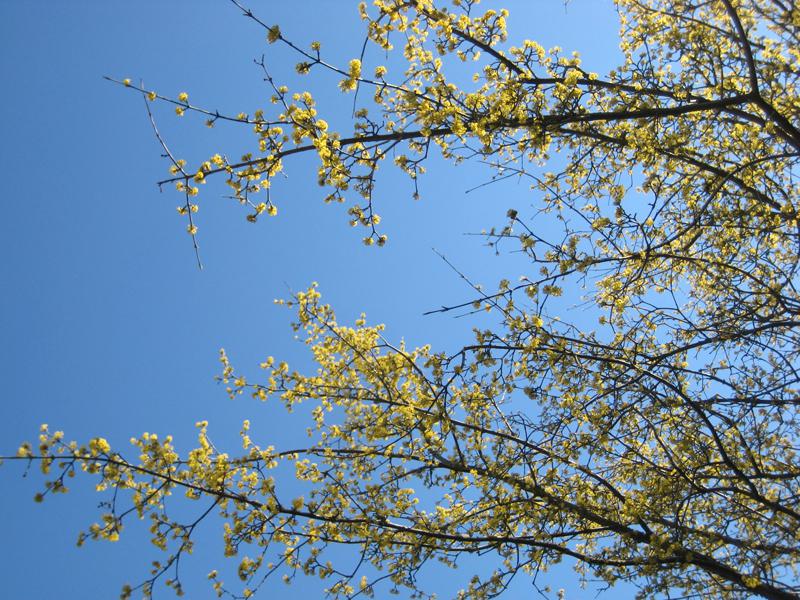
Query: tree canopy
x,y
657,445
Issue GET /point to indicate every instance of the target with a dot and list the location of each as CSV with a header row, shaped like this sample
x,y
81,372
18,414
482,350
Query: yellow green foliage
x,y
660,448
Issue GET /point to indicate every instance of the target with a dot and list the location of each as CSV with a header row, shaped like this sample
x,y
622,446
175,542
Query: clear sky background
x,y
106,325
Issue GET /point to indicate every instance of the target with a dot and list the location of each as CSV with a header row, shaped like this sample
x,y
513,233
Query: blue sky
x,y
107,326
